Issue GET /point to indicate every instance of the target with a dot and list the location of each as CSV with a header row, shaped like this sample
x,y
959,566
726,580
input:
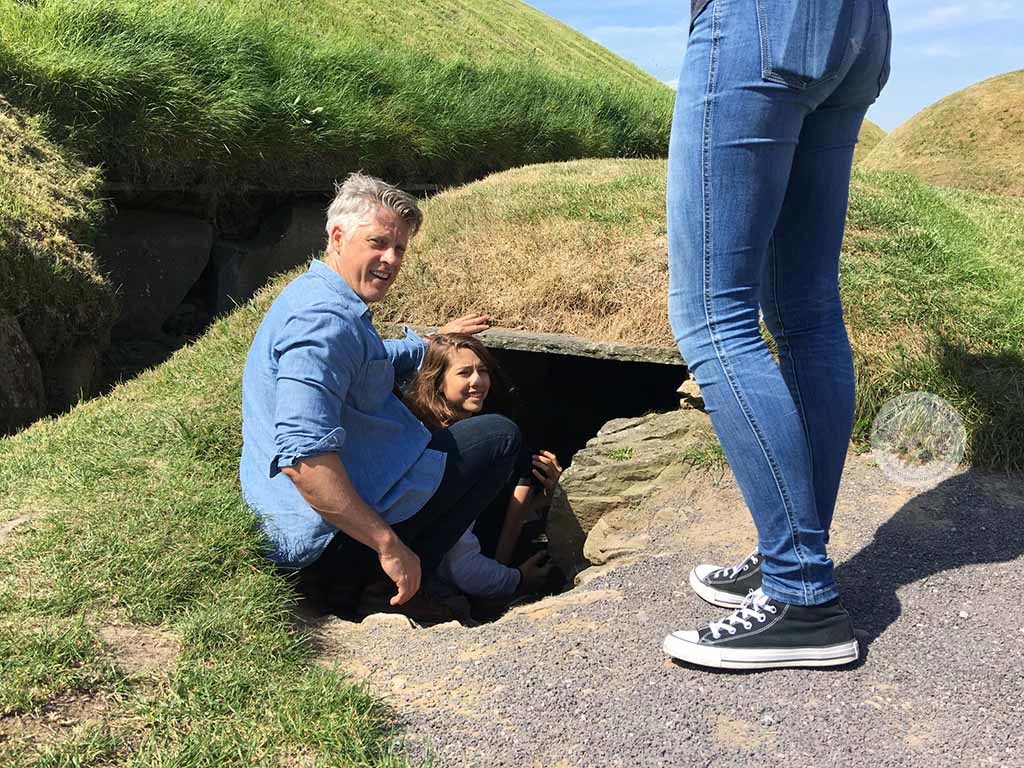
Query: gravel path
x,y
580,680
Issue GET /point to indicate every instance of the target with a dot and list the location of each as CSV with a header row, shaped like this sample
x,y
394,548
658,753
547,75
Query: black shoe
x,y
727,587
764,633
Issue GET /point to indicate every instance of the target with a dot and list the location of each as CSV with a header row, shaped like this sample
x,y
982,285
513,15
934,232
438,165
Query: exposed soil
x,y
141,650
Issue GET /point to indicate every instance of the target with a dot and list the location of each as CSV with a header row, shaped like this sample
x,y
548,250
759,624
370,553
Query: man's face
x,y
368,258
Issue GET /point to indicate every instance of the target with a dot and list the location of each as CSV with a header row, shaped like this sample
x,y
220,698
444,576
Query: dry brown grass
x,y
930,277
564,248
870,135
973,139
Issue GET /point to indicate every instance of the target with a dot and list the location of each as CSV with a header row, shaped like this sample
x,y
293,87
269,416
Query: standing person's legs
x,y
754,75
800,283
480,454
800,296
733,139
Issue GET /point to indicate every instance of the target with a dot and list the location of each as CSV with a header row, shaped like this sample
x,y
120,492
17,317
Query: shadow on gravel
x,y
973,518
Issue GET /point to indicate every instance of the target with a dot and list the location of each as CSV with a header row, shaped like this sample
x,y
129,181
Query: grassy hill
x,y
50,281
972,139
931,279
139,543
137,528
293,94
870,134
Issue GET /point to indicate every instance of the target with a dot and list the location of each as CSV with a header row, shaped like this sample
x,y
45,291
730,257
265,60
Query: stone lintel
x,y
559,344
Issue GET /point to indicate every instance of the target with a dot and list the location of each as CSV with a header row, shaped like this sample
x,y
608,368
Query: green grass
x,y
49,280
138,519
293,94
623,453
933,283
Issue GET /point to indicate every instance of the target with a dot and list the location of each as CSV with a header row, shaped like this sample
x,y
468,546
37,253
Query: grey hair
x,y
358,199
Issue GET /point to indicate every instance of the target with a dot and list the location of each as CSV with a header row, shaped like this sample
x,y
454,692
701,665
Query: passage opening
x,y
560,401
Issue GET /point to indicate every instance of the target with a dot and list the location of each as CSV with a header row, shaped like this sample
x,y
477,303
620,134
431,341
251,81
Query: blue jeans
x,y
770,101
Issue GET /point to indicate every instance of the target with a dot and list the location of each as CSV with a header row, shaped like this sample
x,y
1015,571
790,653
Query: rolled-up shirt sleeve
x,y
317,358
406,354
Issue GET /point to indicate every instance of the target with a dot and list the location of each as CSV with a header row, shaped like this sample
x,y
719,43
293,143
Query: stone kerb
x,y
22,396
558,344
288,238
596,515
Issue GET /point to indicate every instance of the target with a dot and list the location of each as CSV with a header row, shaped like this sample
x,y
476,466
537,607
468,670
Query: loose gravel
x,y
580,680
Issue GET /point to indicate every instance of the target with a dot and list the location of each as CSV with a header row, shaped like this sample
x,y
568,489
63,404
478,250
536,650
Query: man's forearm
x,y
326,487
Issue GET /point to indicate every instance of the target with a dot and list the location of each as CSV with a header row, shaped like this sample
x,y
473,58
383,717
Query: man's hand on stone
x,y
402,566
471,323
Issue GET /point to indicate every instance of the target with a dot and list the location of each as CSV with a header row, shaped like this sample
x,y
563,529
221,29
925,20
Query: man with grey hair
x,y
347,484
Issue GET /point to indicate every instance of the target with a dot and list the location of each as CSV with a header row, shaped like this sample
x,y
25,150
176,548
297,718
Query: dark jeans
x,y
481,455
492,519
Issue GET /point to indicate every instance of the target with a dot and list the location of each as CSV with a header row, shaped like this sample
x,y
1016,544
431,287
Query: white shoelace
x,y
755,606
743,565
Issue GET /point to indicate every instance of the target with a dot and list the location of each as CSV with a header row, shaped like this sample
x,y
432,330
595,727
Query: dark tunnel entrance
x,y
560,399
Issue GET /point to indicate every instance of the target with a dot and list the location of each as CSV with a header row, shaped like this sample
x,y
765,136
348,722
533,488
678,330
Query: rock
x,y
558,344
689,395
72,376
388,621
153,260
22,394
595,515
287,238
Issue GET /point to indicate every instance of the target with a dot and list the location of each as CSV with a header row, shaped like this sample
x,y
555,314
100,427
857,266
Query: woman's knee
x,y
497,431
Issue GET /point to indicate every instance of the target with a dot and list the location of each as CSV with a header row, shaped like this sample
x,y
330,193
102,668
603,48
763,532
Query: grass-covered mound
x,y
932,279
137,517
138,521
870,134
291,94
972,139
49,281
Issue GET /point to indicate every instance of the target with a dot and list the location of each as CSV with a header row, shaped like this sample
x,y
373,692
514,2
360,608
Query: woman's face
x,y
466,383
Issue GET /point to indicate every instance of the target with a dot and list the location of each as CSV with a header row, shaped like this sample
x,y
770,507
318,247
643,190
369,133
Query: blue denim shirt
x,y
319,378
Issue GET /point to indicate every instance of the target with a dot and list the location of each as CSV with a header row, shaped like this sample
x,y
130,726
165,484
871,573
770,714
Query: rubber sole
x,y
715,596
760,658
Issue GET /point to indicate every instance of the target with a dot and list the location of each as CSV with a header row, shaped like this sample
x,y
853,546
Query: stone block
x,y
598,512
289,237
22,394
73,374
153,259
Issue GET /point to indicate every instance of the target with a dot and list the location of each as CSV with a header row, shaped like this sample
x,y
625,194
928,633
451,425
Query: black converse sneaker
x,y
763,633
727,587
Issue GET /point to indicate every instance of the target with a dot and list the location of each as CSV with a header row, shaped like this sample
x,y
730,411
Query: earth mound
x,y
292,95
870,135
972,139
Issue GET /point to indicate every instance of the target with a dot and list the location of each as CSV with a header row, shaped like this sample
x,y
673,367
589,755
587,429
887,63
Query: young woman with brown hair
x,y
452,384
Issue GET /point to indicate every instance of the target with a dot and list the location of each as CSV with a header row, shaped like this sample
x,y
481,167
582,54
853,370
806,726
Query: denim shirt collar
x,y
350,299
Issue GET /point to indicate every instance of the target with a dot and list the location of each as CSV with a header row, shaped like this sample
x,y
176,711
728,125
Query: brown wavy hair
x,y
425,396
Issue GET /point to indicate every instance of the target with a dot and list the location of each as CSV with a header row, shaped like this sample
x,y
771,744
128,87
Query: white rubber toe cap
x,y
703,570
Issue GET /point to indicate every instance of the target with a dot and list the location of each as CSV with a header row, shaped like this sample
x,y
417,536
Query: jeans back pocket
x,y
804,42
